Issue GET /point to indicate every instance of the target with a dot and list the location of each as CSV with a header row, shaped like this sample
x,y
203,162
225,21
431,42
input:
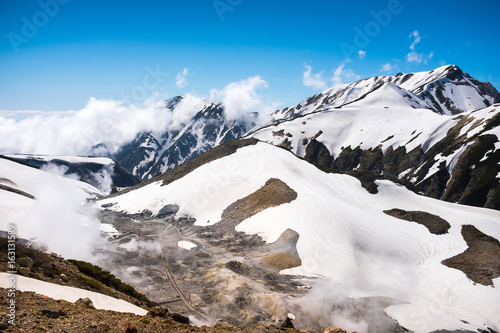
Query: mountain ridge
x,y
430,86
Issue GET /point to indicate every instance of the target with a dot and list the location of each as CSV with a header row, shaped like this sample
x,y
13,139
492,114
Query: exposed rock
x,y
287,323
274,193
238,267
85,301
222,323
334,330
318,154
54,314
24,271
435,224
128,327
157,311
279,133
281,261
180,318
168,210
25,262
286,144
481,261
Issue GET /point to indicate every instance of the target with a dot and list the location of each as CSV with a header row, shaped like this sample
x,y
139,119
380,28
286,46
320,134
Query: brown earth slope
x,y
481,261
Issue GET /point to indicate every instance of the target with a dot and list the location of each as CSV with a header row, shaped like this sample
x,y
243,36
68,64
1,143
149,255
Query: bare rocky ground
x,y
435,224
36,313
229,276
481,261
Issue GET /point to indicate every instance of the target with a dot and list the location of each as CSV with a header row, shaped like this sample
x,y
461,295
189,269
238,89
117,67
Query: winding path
x,y
174,284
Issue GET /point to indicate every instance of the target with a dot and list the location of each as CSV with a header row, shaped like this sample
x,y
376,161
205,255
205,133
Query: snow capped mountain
x,y
152,154
446,90
346,236
391,133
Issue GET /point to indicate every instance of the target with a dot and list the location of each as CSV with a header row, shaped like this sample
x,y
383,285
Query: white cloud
x,y
344,75
417,37
362,54
315,81
103,125
241,100
180,79
59,218
104,122
414,57
387,68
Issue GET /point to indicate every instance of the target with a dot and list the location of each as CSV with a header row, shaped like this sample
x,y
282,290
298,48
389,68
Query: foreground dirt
x,y
36,313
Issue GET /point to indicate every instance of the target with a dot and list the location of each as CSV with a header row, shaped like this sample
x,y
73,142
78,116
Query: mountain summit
x,y
446,90
152,154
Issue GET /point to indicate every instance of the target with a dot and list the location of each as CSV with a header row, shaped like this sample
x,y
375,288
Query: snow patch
x,y
71,294
186,245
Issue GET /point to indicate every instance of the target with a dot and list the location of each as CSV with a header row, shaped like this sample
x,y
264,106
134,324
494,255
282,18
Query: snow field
x,y
344,235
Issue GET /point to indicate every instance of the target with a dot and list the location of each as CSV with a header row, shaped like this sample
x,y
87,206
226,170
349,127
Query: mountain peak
x,y
446,90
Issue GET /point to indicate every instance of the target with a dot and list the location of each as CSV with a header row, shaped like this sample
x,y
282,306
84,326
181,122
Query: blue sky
x,y
56,54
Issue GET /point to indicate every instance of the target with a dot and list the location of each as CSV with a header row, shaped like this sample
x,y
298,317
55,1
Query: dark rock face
x,y
317,153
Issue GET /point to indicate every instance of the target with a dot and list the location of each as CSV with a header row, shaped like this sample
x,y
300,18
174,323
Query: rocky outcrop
x,y
435,224
481,261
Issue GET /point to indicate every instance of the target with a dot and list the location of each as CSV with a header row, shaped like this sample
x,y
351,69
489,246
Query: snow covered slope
x,y
446,90
151,154
344,235
71,294
455,158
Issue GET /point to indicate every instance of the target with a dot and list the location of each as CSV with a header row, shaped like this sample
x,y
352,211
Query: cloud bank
x,y
60,218
102,126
